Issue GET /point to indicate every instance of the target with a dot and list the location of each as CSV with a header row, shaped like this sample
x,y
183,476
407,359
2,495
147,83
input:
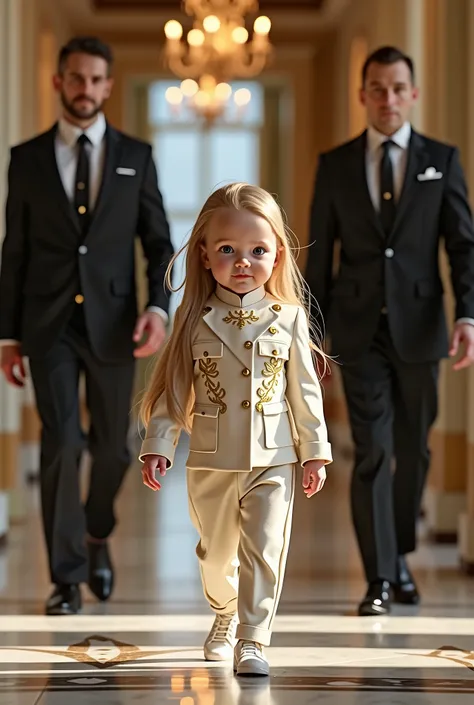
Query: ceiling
x,y
140,21
134,5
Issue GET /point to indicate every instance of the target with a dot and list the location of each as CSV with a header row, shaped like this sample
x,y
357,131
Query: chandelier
x,y
217,49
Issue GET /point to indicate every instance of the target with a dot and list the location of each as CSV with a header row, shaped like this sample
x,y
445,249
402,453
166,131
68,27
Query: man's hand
x,y
463,335
150,324
12,365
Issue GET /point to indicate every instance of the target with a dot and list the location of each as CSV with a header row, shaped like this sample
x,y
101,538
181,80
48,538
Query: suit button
x,y
259,406
273,330
276,307
387,196
82,210
246,404
79,299
274,352
389,253
245,372
248,345
83,250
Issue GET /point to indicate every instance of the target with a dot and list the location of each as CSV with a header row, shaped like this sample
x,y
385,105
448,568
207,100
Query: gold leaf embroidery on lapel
x,y
272,370
241,318
215,392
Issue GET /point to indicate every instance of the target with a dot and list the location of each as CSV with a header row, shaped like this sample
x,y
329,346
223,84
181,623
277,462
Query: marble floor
x,y
145,646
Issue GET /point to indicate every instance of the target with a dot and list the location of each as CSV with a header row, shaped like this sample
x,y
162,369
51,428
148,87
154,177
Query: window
x,y
193,158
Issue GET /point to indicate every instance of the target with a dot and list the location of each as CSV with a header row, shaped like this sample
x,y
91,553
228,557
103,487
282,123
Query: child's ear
x,y
204,257
278,256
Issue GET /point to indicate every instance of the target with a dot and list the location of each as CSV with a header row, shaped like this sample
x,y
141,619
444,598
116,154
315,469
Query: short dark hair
x,y
85,45
387,56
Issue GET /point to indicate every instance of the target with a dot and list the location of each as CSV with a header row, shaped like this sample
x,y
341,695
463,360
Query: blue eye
x,y
226,249
259,251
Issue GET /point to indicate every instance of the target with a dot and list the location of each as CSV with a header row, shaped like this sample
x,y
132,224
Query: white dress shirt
x,y
398,153
65,150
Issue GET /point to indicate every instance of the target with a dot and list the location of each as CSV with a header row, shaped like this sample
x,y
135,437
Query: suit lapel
x,y
47,157
363,193
111,157
416,163
235,330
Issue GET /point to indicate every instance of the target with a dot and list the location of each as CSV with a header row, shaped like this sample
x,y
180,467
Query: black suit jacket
x,y
400,271
42,268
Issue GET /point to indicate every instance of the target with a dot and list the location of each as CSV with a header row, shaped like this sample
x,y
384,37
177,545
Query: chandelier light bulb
x,y
174,96
211,24
240,35
189,87
173,30
242,97
202,99
262,25
196,38
223,92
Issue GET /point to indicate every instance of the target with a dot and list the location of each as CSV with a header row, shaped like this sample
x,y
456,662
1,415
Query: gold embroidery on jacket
x,y
215,392
272,370
241,318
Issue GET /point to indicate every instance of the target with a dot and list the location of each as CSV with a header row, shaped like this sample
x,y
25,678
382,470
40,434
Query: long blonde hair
x,y
173,372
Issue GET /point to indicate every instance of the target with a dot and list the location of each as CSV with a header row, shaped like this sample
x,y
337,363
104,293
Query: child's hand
x,y
314,476
150,466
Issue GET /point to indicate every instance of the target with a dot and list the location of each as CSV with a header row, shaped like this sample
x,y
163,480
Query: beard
x,y
86,111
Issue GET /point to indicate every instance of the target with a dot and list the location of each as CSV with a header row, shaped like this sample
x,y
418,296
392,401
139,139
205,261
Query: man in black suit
x,y
388,197
78,196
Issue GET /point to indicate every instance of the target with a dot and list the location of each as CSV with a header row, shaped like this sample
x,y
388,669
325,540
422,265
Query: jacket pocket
x,y
207,348
205,428
276,424
273,348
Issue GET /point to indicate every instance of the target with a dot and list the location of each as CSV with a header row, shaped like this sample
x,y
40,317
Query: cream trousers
x,y
244,523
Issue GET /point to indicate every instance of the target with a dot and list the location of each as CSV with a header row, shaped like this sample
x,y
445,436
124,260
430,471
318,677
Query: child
x,y
238,375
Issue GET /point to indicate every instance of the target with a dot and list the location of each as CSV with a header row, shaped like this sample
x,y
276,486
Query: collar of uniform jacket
x,y
233,299
70,133
401,138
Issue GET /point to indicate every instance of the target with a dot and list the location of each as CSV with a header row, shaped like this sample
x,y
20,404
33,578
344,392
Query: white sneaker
x,y
219,645
249,659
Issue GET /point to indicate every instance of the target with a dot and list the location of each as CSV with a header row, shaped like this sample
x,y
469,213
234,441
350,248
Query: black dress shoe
x,y
378,599
64,600
101,572
405,591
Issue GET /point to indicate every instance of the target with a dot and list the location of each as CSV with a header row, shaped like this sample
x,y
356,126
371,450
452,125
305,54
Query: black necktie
x,y
81,190
388,207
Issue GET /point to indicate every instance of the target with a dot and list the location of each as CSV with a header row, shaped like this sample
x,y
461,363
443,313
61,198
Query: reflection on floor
x,y
146,645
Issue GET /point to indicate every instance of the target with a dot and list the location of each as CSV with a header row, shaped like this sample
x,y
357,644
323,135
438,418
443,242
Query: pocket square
x,y
124,171
430,174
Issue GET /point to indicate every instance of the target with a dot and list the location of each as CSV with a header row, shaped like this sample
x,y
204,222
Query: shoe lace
x,y
250,648
222,627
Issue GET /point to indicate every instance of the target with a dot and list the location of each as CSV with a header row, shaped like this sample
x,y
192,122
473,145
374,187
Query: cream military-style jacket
x,y
258,398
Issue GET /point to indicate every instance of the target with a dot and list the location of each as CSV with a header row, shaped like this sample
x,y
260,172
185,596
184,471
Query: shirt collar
x,y
70,133
233,299
401,137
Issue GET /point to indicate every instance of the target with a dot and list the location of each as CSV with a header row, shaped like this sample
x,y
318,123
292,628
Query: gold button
x,y
81,186
245,372
387,195
259,406
79,299
248,345
274,352
246,404
82,209
276,307
273,330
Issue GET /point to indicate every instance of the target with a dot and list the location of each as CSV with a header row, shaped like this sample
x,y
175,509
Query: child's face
x,y
240,249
